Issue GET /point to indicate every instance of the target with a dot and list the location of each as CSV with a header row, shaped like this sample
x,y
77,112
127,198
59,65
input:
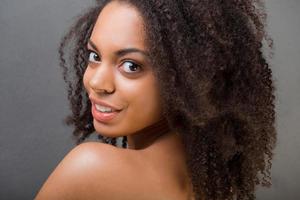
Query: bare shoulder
x,y
94,170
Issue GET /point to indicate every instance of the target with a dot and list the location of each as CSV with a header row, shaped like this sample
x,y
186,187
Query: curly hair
x,y
216,84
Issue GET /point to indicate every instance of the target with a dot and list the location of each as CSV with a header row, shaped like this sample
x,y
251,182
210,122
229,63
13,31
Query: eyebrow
x,y
122,52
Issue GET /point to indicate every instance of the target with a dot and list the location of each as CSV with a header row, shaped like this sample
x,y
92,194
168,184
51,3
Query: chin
x,y
107,130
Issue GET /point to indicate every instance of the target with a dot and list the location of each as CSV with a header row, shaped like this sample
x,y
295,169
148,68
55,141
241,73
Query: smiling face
x,y
119,73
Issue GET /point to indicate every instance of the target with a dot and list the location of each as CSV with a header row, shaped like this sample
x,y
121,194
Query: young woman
x,y
187,87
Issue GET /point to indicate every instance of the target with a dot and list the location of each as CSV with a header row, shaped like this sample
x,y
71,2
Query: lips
x,y
102,103
102,116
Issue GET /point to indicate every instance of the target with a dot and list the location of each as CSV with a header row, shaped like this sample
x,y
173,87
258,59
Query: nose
x,y
102,81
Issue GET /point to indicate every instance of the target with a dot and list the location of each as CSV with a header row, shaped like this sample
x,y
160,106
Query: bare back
x,y
158,172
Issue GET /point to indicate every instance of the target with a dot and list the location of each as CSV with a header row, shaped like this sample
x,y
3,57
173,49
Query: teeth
x,y
103,108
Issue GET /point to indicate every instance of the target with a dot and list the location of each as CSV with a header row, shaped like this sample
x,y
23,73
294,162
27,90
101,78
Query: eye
x,y
93,56
131,67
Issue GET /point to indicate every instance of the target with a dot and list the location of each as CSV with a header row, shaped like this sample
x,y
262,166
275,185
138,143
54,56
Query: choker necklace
x,y
149,134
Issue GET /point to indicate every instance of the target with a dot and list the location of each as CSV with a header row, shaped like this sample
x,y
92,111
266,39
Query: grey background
x,y
33,100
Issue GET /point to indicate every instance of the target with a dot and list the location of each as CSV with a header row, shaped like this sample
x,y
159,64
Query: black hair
x,y
216,84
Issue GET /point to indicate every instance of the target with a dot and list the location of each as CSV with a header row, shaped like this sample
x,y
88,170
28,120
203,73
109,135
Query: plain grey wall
x,y
33,100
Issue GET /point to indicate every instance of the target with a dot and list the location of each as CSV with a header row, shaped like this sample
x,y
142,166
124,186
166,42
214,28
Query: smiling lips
x,y
102,111
103,116
103,104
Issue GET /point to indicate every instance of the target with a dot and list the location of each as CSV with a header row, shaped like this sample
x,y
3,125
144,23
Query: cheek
x,y
143,100
149,100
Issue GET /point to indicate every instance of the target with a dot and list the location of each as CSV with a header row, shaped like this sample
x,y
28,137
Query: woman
x,y
187,87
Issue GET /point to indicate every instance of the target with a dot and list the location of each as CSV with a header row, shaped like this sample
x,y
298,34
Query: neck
x,y
145,137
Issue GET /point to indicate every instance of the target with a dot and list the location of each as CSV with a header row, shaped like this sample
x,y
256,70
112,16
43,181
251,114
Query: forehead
x,y
119,25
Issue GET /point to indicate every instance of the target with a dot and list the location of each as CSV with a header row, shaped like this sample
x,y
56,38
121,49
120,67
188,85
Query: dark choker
x,y
149,134
160,126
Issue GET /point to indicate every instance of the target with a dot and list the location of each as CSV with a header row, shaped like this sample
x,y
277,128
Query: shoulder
x,y
94,170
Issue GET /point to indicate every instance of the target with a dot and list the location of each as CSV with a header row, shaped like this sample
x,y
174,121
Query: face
x,y
119,73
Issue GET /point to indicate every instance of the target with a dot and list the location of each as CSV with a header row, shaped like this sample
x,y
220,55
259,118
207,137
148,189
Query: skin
x,y
148,169
129,75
